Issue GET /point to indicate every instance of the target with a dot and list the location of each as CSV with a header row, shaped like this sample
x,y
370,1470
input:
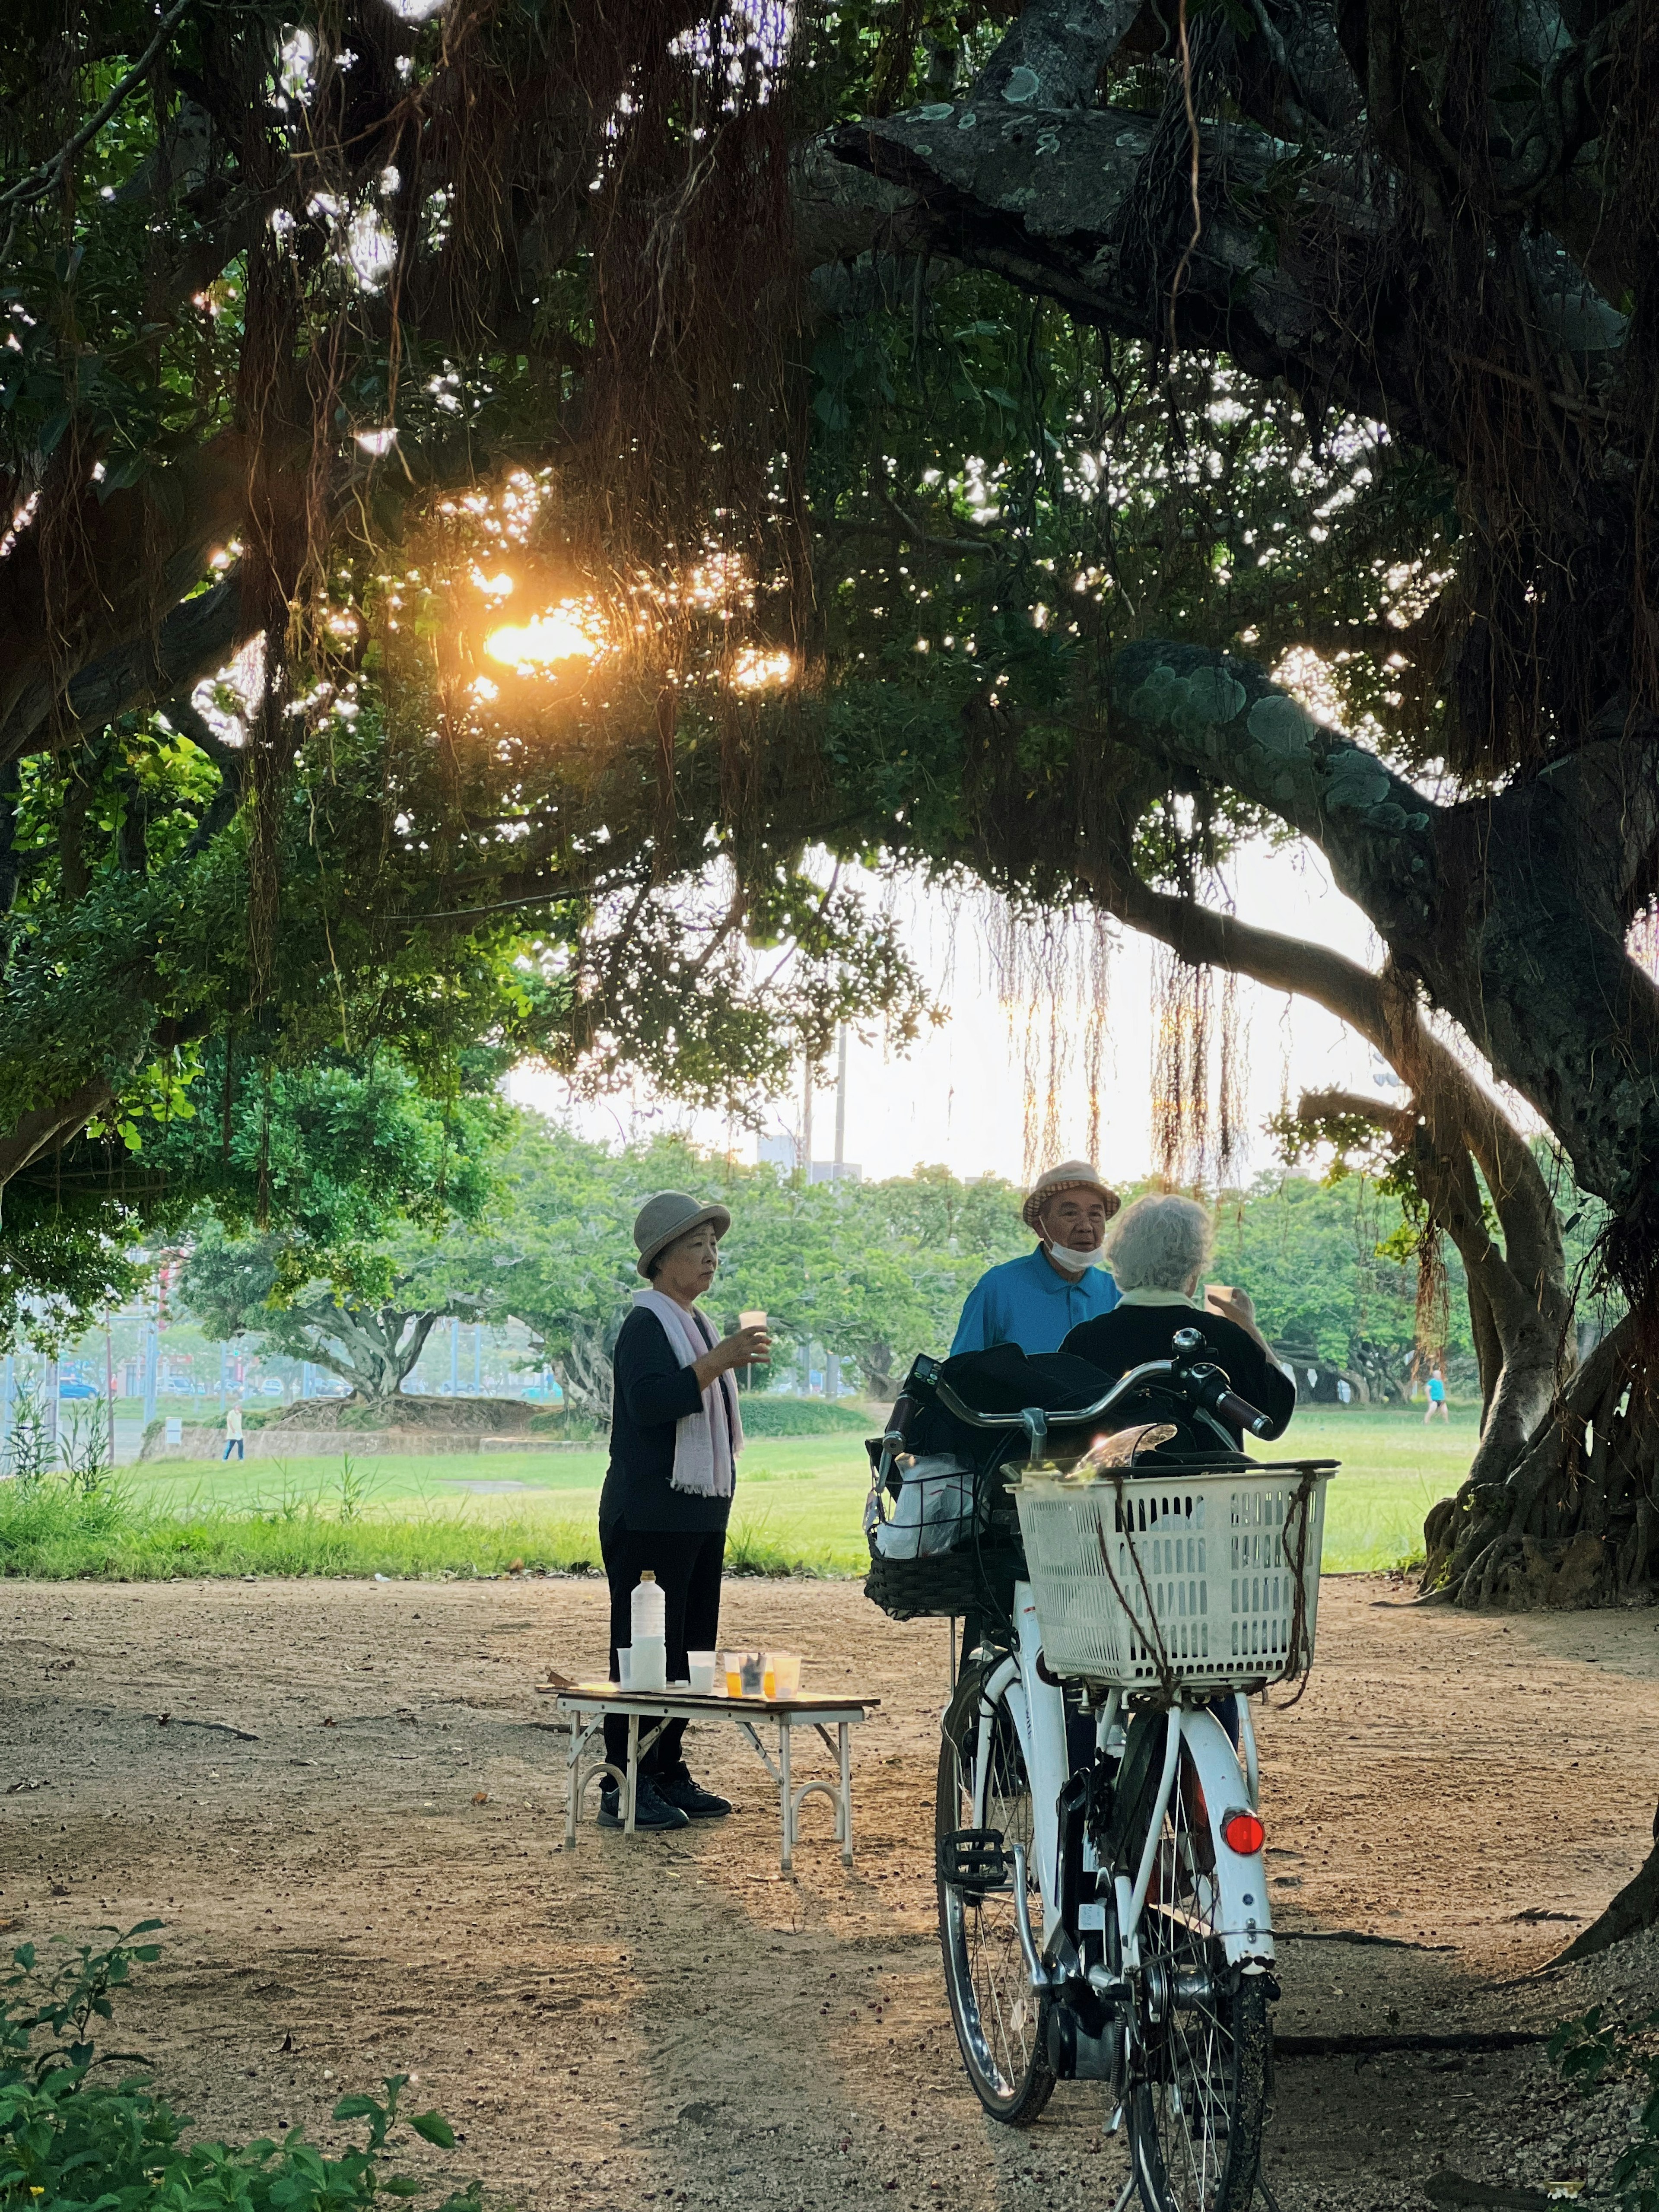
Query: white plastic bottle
x,y
648,1613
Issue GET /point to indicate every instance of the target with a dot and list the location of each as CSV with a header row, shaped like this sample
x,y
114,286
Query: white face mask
x,y
1075,1263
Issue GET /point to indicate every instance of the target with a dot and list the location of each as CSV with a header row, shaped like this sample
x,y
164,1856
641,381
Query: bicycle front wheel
x,y
1201,2080
1001,2022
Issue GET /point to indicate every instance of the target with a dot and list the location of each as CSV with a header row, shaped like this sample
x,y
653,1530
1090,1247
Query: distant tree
x,y
562,1221
343,1201
368,1320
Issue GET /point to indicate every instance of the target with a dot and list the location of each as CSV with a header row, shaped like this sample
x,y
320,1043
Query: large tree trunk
x,y
1569,1519
373,1348
585,1374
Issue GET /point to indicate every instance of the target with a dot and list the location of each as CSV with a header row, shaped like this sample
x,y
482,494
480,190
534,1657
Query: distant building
x,y
781,1152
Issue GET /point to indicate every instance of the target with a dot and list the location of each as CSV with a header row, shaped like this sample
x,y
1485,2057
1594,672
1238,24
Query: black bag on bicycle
x,y
943,1532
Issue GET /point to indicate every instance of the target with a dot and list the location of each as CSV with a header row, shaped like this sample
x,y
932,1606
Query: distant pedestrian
x,y
1436,1399
233,1433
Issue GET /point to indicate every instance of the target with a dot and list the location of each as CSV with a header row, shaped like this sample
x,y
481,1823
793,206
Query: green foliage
x,y
73,2136
874,1272
764,1415
56,1533
367,1187
1592,2052
1323,1262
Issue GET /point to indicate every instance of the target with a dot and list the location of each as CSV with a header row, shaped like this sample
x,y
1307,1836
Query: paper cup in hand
x,y
752,1320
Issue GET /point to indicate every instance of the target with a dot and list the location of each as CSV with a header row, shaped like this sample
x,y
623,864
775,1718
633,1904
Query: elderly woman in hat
x,y
1036,1302
675,1436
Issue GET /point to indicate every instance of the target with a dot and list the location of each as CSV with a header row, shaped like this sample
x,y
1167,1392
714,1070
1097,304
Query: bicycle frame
x,y
1242,1917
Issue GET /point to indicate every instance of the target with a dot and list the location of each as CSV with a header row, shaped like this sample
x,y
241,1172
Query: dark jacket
x,y
652,1393
1130,1335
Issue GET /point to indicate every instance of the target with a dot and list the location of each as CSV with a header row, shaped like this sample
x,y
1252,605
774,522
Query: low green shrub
x,y
765,1416
1591,2051
73,2137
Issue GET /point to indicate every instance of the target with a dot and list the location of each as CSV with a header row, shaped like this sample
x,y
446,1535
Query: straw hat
x,y
670,1214
1070,1175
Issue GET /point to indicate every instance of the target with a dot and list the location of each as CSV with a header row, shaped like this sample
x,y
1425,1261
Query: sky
x,y
956,1097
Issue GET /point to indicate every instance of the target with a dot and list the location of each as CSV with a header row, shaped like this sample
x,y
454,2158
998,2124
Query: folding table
x,y
586,1706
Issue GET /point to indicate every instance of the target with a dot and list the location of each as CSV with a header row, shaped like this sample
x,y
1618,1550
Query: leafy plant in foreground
x,y
1587,2051
70,2137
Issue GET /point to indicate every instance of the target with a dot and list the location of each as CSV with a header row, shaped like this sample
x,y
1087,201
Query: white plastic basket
x,y
1162,1579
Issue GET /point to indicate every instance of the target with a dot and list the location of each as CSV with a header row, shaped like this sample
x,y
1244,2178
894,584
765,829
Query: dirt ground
x,y
352,1820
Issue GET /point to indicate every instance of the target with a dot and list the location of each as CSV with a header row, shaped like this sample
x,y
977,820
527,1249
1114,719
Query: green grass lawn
x,y
800,1504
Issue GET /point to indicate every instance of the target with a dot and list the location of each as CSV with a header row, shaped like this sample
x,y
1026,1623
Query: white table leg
x,y
786,1794
846,1794
573,1771
633,1771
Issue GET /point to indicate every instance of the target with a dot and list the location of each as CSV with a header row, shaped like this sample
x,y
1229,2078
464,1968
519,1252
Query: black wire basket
x,y
943,1537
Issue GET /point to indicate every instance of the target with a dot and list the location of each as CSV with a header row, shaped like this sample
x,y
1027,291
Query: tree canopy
x,y
621,450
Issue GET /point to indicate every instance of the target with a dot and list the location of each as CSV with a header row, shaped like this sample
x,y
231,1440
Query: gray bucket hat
x,y
670,1214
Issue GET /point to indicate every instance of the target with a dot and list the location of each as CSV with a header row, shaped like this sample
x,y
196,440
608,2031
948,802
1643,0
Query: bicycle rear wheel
x,y
1202,2082
1001,2023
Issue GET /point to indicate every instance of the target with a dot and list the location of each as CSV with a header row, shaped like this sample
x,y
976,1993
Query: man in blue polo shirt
x,y
1035,1302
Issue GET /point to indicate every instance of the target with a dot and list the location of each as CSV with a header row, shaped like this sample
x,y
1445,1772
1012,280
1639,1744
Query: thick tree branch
x,y
1458,1116
43,1127
1054,53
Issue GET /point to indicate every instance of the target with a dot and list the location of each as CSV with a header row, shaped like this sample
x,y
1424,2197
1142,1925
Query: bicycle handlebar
x,y
1196,1381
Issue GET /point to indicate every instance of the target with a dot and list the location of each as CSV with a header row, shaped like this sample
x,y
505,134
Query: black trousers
x,y
687,1563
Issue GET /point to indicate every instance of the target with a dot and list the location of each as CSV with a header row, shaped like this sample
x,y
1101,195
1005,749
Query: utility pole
x,y
109,1387
152,1355
832,1360
806,1125
841,1103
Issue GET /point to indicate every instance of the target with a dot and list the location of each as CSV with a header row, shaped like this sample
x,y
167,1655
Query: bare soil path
x,y
351,1822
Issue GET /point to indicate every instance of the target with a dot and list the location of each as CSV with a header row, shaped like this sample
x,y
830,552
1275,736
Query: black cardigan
x,y
652,1393
1130,1335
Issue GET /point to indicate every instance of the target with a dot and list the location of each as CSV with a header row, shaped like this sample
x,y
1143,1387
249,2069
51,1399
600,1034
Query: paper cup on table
x,y
625,1668
785,1666
752,1673
700,1666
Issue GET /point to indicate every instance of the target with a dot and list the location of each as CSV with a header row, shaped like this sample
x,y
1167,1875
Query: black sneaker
x,y
651,1810
695,1802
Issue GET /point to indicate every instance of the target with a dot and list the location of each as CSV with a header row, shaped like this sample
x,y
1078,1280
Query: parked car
x,y
68,1389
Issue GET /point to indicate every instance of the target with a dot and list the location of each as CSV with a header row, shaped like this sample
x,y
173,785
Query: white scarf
x,y
706,1443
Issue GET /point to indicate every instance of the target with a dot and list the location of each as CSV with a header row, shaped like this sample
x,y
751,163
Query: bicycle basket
x,y
1208,1577
943,1539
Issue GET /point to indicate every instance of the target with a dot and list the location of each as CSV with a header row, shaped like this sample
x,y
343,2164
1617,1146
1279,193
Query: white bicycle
x,y
1103,1894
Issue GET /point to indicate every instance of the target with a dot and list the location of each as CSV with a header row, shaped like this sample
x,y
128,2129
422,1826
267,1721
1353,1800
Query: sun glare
x,y
567,632
753,668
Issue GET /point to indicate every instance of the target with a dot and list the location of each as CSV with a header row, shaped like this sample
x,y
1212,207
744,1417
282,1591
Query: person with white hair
x,y
1157,1249
1033,1302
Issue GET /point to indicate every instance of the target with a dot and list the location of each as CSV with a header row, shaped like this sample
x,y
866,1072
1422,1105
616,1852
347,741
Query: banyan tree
x,y
1051,448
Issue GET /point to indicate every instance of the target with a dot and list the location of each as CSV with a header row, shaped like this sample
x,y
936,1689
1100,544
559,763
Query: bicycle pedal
x,y
973,1859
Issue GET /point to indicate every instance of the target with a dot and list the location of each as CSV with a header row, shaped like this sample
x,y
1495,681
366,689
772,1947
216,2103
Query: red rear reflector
x,y
1243,1834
